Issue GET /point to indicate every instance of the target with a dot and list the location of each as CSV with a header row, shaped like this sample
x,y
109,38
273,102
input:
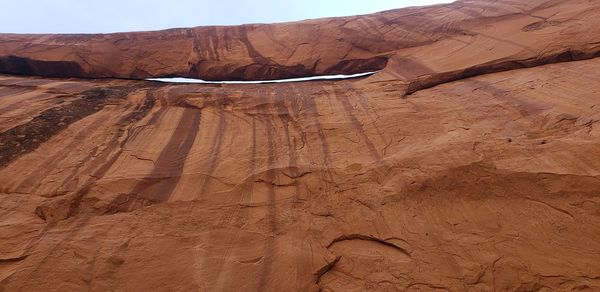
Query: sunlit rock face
x,y
468,162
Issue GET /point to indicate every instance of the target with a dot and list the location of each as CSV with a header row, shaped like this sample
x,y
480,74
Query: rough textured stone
x,y
468,163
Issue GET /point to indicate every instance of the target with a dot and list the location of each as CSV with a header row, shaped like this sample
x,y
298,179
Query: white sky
x,y
102,16
321,77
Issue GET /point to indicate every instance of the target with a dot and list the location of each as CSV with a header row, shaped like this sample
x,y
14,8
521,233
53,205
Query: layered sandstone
x,y
467,163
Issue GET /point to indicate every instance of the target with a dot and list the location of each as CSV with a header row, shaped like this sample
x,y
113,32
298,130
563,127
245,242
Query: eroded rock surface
x,y
468,163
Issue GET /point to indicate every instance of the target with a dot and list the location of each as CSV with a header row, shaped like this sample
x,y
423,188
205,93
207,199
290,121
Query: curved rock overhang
x,y
416,46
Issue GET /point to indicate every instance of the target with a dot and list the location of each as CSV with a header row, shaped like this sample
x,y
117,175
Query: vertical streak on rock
x,y
356,124
206,37
253,160
172,159
157,116
312,111
270,244
293,111
294,116
286,118
216,146
151,94
239,212
215,42
367,110
252,52
105,159
194,56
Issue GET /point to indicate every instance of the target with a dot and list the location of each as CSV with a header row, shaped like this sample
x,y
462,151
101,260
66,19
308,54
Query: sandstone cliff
x,y
469,162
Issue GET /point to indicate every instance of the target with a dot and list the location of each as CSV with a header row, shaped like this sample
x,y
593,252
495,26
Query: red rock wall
x,y
469,163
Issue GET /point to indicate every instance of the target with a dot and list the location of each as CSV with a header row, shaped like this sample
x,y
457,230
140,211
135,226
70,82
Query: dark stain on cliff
x,y
27,137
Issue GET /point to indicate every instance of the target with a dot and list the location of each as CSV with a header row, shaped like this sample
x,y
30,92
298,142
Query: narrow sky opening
x,y
106,16
301,79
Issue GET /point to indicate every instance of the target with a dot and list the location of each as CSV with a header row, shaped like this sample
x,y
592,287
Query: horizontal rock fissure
x,y
429,81
299,79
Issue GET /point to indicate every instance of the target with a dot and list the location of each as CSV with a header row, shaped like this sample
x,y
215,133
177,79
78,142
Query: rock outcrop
x,y
467,163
